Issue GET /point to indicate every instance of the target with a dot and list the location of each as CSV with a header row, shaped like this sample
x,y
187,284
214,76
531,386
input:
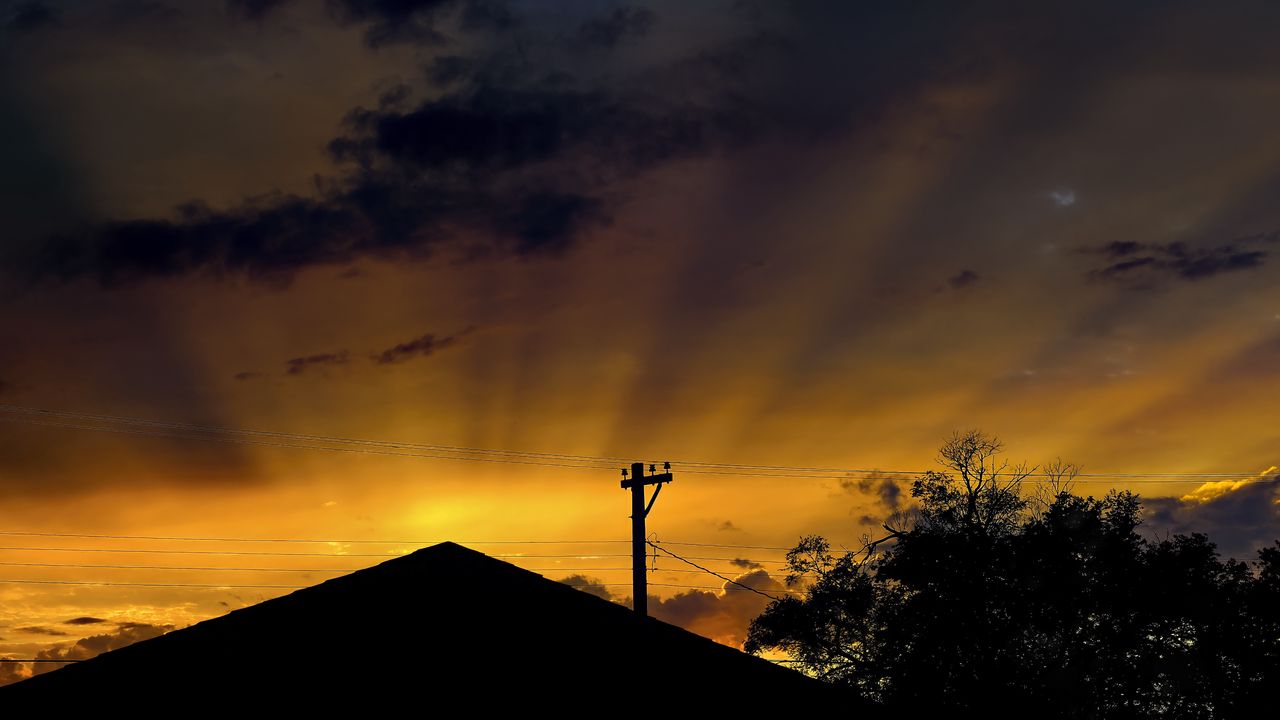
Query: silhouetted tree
x,y
980,600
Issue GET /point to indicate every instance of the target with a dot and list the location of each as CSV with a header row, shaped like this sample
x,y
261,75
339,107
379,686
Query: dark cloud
x,y
299,365
389,22
29,16
887,489
591,585
40,630
547,223
395,97
445,70
723,616
85,648
83,620
255,9
728,526
492,128
126,628
243,376
373,215
134,13
268,238
1239,519
746,564
623,23
525,140
524,155
963,279
1140,264
424,346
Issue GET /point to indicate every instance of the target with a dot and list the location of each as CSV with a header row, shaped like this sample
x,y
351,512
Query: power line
x,y
582,570
180,567
1033,478
204,552
508,557
303,540
385,556
709,572
303,446
714,545
46,660
735,560
189,538
670,585
471,454
300,436
135,584
103,583
278,569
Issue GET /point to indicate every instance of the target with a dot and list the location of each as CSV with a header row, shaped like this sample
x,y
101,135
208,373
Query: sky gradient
x,y
787,233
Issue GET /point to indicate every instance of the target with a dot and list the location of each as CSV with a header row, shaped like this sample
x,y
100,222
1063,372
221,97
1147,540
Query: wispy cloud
x,y
300,365
420,347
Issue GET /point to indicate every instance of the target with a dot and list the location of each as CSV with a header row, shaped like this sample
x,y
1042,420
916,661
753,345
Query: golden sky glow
x,y
846,299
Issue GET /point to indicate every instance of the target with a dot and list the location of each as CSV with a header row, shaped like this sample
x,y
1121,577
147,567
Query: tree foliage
x,y
983,599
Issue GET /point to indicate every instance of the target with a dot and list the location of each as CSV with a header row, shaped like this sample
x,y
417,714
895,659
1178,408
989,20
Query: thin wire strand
x,y
102,583
710,572
182,567
385,556
136,584
303,436
304,540
300,570
189,538
715,545
471,454
670,585
302,446
1032,478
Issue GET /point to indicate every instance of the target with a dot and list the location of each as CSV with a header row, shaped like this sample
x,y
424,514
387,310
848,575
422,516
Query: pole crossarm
x,y
647,480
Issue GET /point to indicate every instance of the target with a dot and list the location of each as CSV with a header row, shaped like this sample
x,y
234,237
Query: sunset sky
x,y
798,233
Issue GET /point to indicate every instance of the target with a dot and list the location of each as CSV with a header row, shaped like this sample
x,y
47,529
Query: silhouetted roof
x,y
443,624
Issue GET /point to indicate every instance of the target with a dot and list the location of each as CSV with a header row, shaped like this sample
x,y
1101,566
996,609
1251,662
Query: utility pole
x,y
636,483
